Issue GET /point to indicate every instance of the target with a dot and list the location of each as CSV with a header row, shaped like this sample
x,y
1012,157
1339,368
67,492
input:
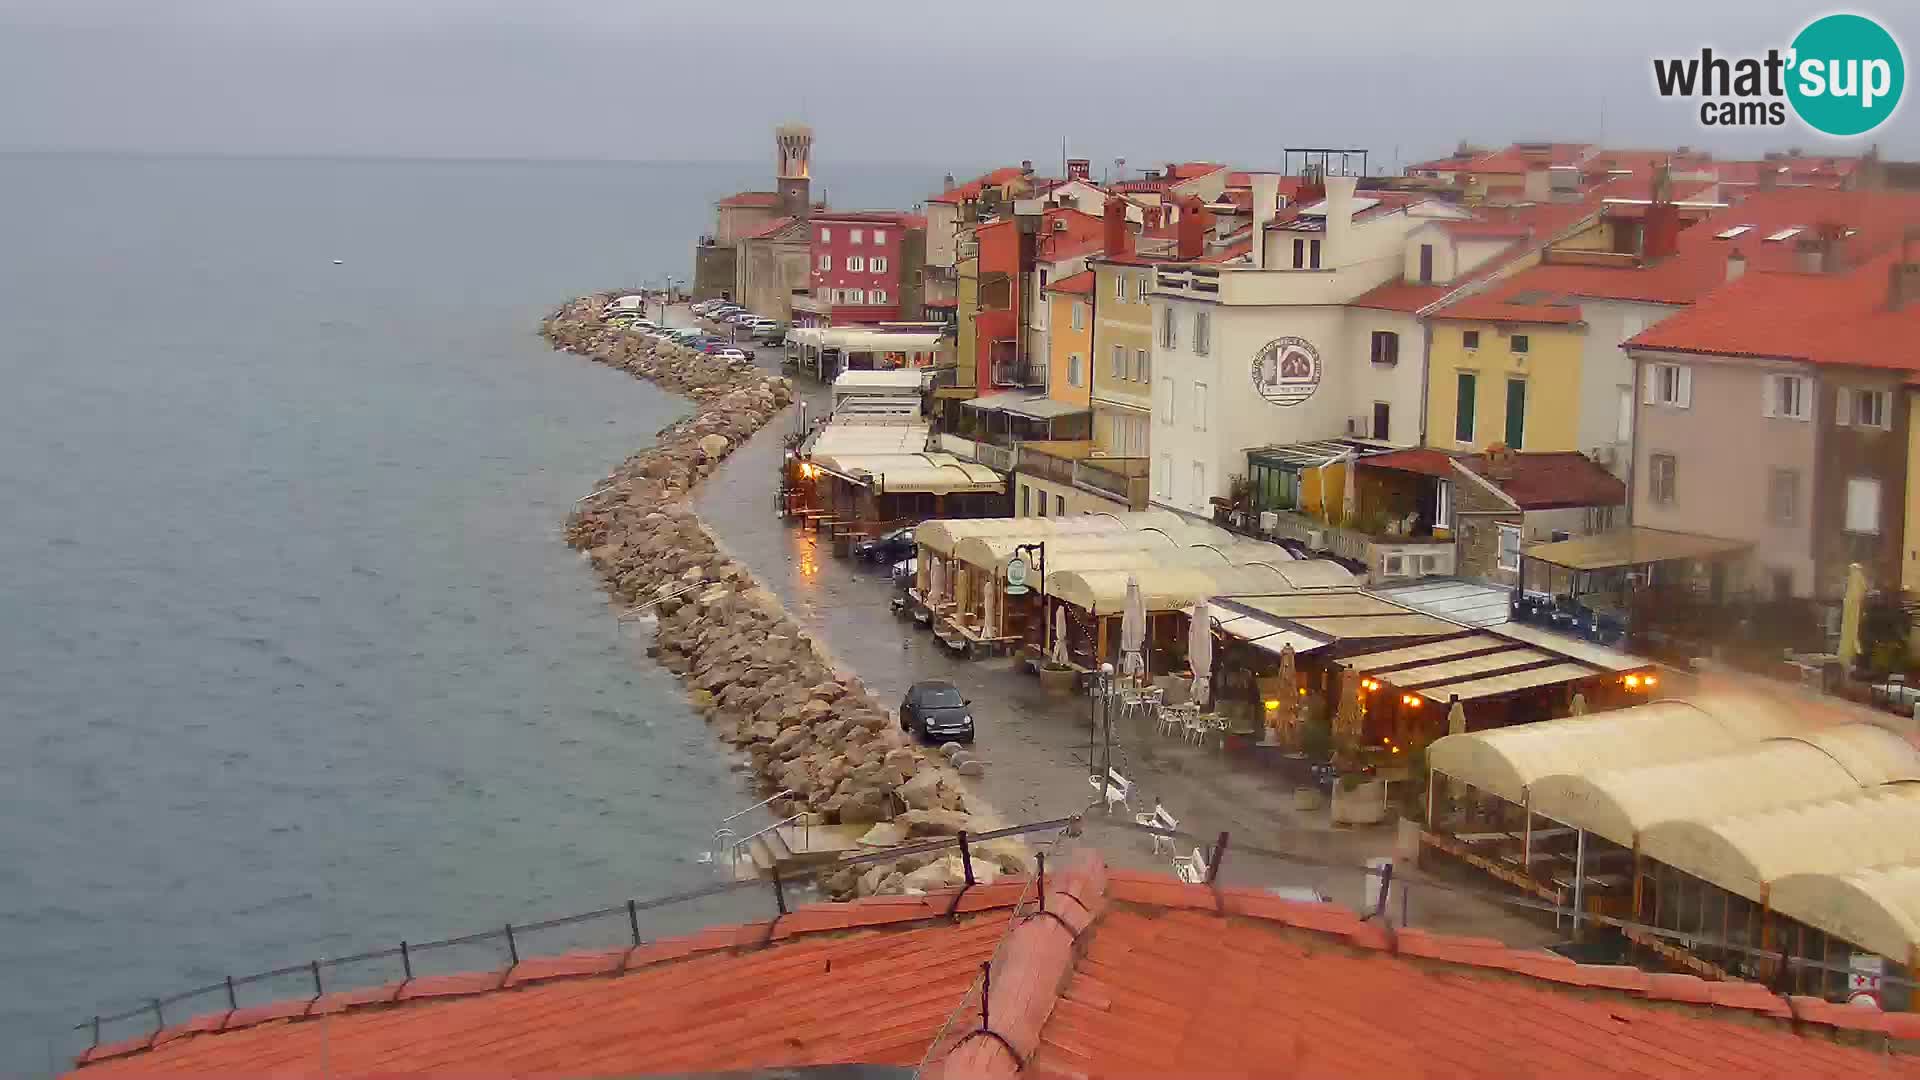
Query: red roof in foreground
x,y
1125,974
1081,282
1819,318
1418,460
752,198
972,188
1553,481
1401,295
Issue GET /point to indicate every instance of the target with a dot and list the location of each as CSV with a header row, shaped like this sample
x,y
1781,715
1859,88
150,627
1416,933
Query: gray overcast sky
x,y
952,84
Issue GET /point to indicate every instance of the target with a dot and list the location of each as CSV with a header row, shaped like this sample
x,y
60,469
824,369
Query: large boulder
x,y
935,822
714,445
923,791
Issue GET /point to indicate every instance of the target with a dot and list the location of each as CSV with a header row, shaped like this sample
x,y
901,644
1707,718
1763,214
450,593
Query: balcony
x,y
1009,372
1124,479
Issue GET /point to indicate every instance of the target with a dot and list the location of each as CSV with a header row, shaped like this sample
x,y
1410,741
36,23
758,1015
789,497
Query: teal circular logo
x,y
1846,75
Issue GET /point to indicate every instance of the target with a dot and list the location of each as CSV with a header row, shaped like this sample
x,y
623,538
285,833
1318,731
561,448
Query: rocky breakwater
x,y
763,684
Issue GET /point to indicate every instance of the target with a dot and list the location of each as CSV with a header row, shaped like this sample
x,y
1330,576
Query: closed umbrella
x,y
936,583
1347,719
1351,502
1850,609
1060,636
1457,720
1133,629
1579,707
988,605
1200,650
1289,695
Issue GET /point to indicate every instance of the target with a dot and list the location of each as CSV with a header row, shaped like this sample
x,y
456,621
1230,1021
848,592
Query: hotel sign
x,y
1287,371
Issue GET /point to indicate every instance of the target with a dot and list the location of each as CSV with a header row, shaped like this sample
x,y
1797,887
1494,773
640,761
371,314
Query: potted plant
x,y
1056,678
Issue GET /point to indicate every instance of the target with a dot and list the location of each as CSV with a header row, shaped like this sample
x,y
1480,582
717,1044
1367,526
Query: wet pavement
x,y
1036,745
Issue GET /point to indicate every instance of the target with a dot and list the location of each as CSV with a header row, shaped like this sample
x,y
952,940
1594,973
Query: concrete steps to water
x,y
787,847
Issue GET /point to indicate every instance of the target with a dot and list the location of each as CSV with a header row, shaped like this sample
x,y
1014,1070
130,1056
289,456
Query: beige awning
x,y
839,439
939,537
1745,853
1507,683
1619,804
1163,588
1632,546
1504,761
940,474
1875,909
1413,654
1261,632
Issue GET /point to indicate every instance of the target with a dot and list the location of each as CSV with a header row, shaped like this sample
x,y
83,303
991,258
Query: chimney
x,y
950,183
1266,198
1339,219
1736,265
1079,169
1536,188
1119,240
1660,228
1903,276
1313,185
1026,168
1191,230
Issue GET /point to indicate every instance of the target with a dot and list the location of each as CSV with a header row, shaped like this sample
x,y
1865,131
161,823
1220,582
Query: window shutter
x,y
1843,408
1649,383
1686,388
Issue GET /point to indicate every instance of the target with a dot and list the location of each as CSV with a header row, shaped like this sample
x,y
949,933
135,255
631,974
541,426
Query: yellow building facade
x,y
966,307
1070,314
1516,383
1122,356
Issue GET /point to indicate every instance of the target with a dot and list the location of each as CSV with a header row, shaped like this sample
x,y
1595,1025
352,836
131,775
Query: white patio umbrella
x,y
1288,696
1200,650
989,604
1060,636
1133,629
936,582
1351,503
1579,705
1456,720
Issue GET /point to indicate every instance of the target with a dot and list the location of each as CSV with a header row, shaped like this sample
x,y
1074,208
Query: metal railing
x,y
1122,478
324,975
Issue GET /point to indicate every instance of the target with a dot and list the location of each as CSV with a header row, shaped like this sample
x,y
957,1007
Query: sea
x,y
294,663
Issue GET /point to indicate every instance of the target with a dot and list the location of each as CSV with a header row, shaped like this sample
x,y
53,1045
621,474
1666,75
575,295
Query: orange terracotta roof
x,y
1817,318
1125,974
972,188
1553,480
752,198
1514,160
1517,301
1399,295
1081,283
1420,460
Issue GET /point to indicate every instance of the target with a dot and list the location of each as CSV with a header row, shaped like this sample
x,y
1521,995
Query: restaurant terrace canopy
x,y
939,474
1746,853
1633,546
1876,909
1174,588
939,537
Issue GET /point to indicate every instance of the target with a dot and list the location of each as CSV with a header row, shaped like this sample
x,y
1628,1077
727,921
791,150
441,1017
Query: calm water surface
x,y
292,660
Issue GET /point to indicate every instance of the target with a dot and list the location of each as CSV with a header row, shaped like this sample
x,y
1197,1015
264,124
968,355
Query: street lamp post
x,y
1046,624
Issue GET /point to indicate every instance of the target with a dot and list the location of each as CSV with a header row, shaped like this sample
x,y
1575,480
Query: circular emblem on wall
x,y
1287,371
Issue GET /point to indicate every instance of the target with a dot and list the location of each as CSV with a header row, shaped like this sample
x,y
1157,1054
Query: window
x,y
1426,264
1386,347
856,296
1140,287
1073,369
877,296
1382,414
1120,287
1313,253
877,264
1199,406
856,263
1025,493
1059,504
1786,396
1166,402
826,236
1863,505
1166,476
1670,384
1119,362
1663,476
879,236
1042,500
1143,369
1864,408
1510,548
1199,496
1443,504
1299,254
1079,315
1466,392
1783,497
853,236
1469,339
1169,328
826,262
1516,412
1202,332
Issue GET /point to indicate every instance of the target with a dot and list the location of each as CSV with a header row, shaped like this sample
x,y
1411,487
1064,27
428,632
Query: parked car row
x,y
682,335
727,313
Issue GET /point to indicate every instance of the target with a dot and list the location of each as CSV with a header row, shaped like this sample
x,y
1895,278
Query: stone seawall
x,y
763,684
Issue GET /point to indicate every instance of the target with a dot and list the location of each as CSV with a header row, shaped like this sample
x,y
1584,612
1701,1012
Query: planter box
x,y
1366,804
1058,681
1307,798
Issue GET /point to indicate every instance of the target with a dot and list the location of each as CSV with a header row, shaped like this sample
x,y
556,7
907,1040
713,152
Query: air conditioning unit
x,y
1603,456
1269,521
1317,539
1060,225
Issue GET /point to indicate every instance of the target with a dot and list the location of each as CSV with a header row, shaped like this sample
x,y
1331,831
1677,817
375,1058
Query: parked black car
x,y
935,710
886,548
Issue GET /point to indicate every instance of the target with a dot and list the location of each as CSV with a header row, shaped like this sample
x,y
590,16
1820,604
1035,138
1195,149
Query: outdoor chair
x,y
1191,869
1196,732
1159,819
1115,789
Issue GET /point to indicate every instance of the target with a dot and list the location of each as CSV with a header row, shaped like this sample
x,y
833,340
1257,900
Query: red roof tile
x,y
1819,318
972,188
1518,300
752,198
1126,974
1081,283
1548,481
1515,160
1419,460
769,228
1398,295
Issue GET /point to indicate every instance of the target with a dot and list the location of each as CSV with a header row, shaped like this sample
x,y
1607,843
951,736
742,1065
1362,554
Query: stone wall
x,y
1478,513
713,271
760,681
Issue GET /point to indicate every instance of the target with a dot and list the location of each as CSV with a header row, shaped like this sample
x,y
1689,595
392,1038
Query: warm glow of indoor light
x,y
1273,705
1648,680
1633,682
1303,691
